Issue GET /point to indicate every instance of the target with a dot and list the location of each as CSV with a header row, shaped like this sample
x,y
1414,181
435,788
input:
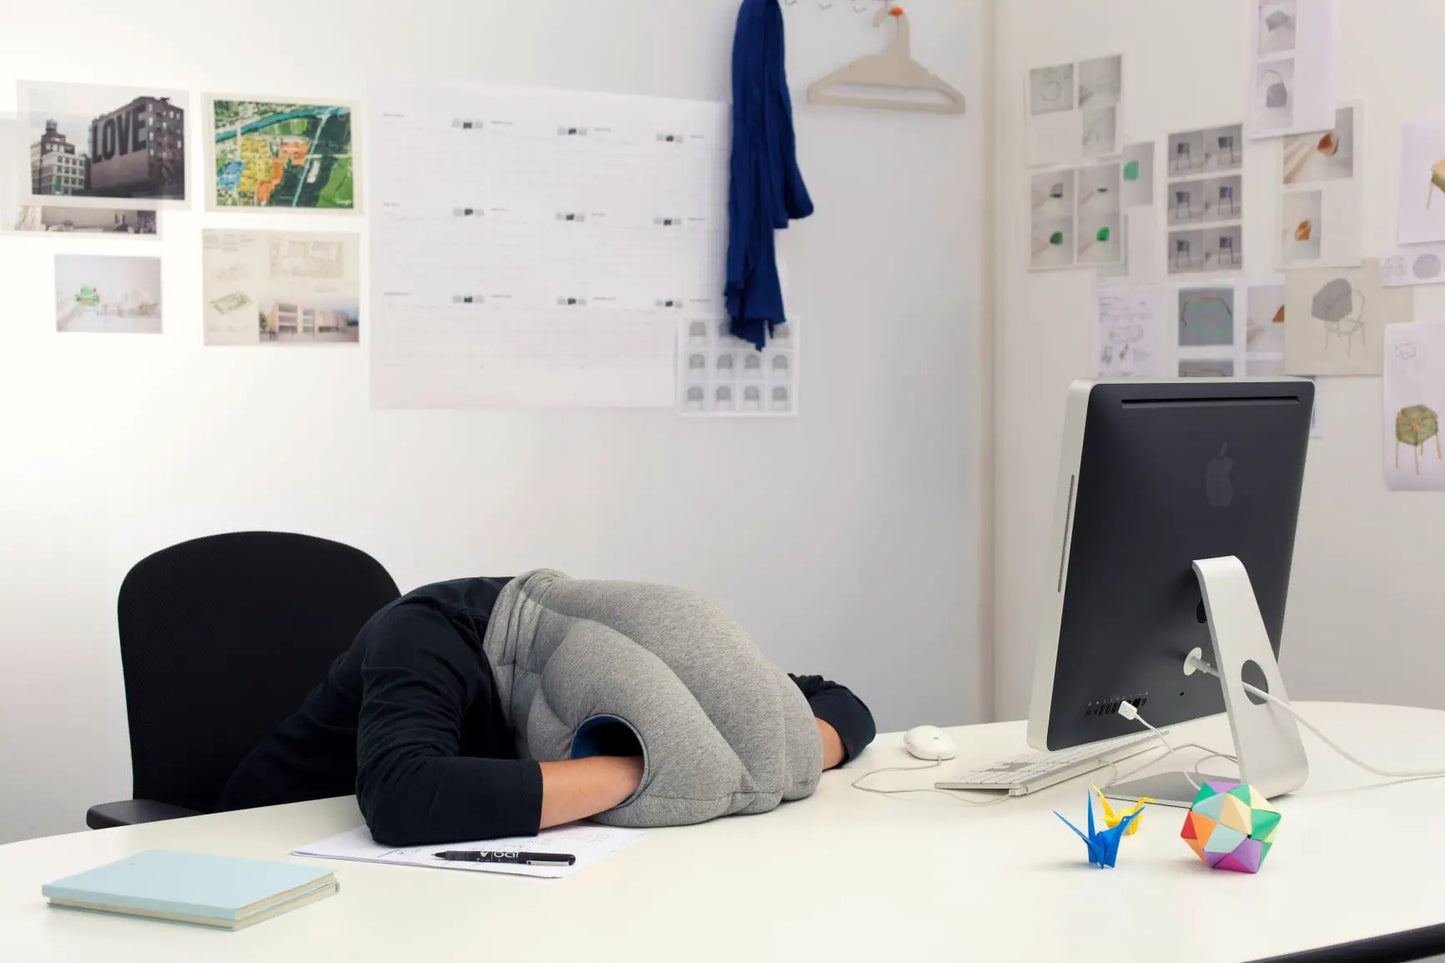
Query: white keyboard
x,y
1038,770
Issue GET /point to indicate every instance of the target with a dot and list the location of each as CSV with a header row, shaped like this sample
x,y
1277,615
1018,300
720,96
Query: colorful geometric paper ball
x,y
1231,826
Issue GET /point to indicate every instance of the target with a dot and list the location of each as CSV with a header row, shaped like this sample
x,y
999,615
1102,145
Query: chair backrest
x,y
221,637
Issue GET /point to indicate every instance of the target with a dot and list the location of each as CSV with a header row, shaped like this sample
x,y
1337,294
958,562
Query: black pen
x,y
506,856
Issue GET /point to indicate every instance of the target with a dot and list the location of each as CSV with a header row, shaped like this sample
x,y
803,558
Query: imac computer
x,y
1173,533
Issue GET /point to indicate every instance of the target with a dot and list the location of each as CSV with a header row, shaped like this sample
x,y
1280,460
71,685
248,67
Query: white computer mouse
x,y
928,742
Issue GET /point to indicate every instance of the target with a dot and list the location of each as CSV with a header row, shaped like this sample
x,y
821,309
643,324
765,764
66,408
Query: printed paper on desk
x,y
586,841
1414,400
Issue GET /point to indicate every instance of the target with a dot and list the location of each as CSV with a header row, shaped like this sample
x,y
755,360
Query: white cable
x,y
1205,667
942,792
1127,710
1209,754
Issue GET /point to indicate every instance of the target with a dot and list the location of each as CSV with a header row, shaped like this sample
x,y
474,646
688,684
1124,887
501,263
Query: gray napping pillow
x,y
721,730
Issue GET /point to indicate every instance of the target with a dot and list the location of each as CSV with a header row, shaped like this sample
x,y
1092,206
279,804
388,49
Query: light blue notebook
x,y
222,891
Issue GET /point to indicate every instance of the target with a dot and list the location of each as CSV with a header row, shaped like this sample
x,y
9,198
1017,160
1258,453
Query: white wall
x,y
1364,620
845,539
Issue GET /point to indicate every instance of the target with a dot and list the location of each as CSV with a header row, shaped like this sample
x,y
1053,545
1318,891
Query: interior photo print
x,y
106,293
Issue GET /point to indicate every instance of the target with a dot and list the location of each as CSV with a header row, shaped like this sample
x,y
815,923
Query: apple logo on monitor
x,y
1218,487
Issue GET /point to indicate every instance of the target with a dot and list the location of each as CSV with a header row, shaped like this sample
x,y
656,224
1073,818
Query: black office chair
x,y
221,638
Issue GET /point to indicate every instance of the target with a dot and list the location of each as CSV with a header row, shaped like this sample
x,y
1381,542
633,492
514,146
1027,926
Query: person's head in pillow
x,y
411,719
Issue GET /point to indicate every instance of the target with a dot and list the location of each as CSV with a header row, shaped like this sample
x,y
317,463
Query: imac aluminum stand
x,y
1266,738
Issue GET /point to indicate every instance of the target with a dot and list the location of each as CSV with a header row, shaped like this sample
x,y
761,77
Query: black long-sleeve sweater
x,y
408,718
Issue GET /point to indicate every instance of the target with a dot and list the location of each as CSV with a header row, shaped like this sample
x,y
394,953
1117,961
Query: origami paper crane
x,y
1230,826
1103,846
1112,819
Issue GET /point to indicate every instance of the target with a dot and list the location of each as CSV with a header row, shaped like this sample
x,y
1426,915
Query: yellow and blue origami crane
x,y
1103,846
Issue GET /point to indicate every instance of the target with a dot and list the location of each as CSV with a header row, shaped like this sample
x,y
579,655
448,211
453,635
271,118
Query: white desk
x,y
842,876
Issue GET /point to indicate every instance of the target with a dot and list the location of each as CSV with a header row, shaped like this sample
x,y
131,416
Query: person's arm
x,y
845,725
833,751
574,789
419,677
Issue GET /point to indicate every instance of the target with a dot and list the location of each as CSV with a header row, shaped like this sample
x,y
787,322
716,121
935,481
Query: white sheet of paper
x,y
1422,183
1336,318
588,842
1294,72
1320,196
1073,110
1128,332
537,247
1414,397
719,375
1418,264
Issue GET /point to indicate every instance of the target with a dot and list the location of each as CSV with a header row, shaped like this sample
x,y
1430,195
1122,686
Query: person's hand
x,y
574,789
832,745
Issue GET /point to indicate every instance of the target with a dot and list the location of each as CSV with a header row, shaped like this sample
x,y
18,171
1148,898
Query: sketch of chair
x,y
1182,255
1183,205
1276,94
1227,148
1342,309
1226,199
1183,159
1414,426
1437,179
1227,253
1277,20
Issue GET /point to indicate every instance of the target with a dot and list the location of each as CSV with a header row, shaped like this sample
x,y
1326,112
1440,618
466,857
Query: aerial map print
x,y
271,155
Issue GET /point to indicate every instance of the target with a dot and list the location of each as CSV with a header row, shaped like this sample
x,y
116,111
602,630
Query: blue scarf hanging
x,y
766,187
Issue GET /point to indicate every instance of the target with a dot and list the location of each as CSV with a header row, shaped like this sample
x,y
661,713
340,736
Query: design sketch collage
x,y
1192,302
1183,297
1076,207
602,219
